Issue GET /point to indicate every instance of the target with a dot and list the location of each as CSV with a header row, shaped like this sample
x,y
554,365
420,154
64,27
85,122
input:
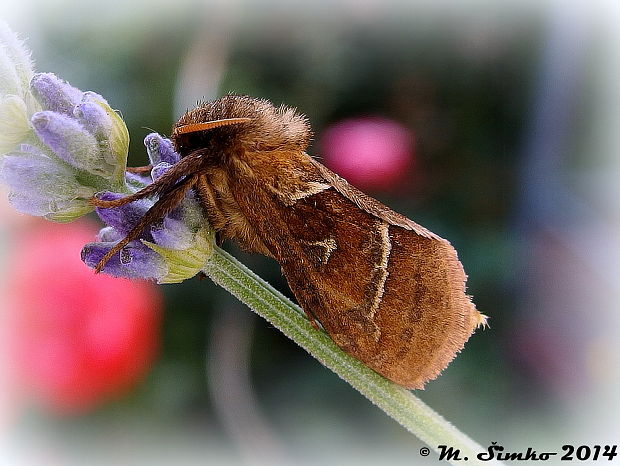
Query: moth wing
x,y
370,204
388,291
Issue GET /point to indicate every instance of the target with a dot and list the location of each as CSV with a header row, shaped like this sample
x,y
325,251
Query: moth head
x,y
239,124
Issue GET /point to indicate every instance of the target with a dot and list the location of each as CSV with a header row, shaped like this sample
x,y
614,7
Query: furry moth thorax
x,y
269,128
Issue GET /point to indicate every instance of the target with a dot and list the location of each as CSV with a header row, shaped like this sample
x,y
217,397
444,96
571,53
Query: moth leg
x,y
164,183
313,320
139,170
159,210
219,239
146,191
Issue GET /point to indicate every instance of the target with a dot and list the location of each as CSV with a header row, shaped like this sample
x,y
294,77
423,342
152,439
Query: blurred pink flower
x,y
77,339
371,153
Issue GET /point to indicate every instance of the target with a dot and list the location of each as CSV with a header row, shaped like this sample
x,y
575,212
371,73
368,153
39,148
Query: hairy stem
x,y
396,401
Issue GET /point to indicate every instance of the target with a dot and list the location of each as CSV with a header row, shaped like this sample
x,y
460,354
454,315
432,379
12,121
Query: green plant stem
x,y
396,401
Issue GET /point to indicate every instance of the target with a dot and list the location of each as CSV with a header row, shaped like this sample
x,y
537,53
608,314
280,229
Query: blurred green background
x,y
514,162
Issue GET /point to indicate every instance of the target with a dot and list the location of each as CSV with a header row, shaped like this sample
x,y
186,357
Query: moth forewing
x,y
388,295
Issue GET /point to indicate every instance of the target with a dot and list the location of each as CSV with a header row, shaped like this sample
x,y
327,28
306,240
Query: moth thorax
x,y
266,128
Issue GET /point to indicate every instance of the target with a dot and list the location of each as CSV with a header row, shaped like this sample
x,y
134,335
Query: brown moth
x,y
388,291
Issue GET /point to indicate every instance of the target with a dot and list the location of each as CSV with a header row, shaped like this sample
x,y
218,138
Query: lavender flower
x,y
75,146
169,251
60,146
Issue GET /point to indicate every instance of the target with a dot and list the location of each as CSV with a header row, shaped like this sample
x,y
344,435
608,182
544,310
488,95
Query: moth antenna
x,y
192,128
159,210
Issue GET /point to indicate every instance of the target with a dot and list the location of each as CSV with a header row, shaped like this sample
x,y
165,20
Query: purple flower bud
x,y
159,169
71,142
90,96
95,119
123,218
66,137
55,94
137,180
56,210
133,261
109,129
27,170
109,235
160,149
98,122
172,234
40,185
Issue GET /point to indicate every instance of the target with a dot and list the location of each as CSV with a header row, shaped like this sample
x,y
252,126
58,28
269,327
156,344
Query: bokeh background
x,y
494,124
